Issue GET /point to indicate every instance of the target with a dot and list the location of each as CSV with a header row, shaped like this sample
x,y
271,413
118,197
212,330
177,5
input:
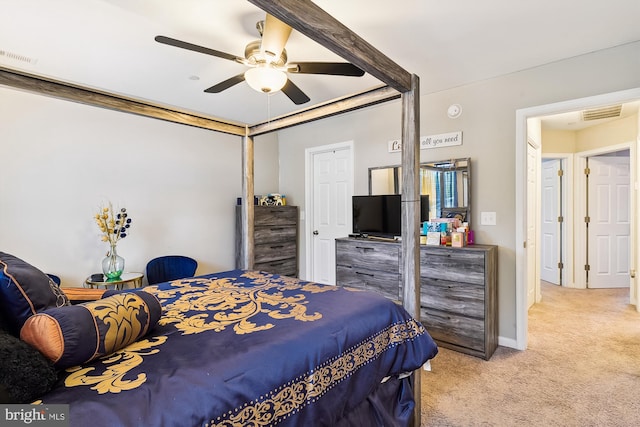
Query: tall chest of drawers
x,y
459,297
458,288
275,239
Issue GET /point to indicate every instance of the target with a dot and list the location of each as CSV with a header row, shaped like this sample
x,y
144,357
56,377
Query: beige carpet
x,y
582,368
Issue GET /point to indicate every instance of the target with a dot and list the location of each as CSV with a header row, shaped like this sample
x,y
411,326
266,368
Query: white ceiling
x,y
109,44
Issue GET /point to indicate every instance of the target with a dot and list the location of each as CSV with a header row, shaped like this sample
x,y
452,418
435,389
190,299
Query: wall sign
x,y
431,141
441,140
395,145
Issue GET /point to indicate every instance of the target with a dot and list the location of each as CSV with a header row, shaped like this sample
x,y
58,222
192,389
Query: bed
x,y
240,348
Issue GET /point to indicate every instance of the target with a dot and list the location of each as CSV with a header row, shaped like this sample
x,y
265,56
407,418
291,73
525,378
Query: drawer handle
x,y
364,274
277,246
444,317
278,228
364,248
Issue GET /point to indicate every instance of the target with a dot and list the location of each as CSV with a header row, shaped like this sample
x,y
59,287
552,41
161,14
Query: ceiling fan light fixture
x,y
265,79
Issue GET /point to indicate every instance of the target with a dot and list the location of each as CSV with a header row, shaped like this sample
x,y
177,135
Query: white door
x,y
332,189
550,240
608,230
532,221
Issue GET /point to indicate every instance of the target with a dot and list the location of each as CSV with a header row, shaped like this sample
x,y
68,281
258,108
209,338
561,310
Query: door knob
x,y
315,232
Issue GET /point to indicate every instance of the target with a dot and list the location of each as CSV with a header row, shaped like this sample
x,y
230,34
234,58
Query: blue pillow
x,y
24,291
75,334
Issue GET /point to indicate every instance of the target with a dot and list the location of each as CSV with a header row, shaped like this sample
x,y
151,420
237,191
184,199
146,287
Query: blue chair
x,y
170,267
55,278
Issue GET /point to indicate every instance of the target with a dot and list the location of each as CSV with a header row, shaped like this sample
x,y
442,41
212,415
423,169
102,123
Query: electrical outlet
x,y
487,218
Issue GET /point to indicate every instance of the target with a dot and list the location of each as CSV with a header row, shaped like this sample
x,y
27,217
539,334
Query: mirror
x,y
447,182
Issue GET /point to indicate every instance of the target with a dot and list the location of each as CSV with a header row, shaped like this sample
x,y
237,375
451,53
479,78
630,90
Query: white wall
x,y
558,141
61,160
613,132
610,133
488,123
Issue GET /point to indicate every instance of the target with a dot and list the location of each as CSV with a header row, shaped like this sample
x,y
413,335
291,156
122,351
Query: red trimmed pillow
x,y
75,334
24,291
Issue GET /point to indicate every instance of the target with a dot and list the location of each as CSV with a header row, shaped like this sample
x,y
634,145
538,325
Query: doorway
x,y
552,241
608,227
523,222
557,247
603,243
329,189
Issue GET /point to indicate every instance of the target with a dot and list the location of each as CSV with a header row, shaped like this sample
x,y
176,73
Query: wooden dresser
x,y
458,288
275,238
459,297
368,264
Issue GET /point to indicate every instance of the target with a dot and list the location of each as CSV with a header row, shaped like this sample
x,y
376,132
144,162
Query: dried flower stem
x,y
113,226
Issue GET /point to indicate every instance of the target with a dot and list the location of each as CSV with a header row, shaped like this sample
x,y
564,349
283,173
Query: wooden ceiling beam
x,y
330,108
312,21
69,92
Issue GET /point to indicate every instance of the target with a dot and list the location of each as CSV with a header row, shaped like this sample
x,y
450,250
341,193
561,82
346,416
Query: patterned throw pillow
x,y
75,334
24,291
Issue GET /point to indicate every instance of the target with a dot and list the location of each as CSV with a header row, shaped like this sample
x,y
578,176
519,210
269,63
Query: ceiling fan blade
x,y
294,93
189,46
226,84
274,36
332,68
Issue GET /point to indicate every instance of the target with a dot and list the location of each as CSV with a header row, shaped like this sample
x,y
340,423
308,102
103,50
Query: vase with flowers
x,y
114,226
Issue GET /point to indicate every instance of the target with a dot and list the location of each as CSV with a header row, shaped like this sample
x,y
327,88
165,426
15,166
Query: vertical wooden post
x,y
247,209
411,215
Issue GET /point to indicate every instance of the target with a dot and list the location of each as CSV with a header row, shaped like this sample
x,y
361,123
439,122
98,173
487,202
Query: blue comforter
x,y
245,348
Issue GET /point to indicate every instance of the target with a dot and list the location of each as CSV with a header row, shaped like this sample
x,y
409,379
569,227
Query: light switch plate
x,y
487,218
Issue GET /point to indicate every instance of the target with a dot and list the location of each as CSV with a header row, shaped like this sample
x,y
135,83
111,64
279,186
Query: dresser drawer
x,y
274,251
274,234
461,331
374,255
453,264
466,299
383,282
275,215
286,267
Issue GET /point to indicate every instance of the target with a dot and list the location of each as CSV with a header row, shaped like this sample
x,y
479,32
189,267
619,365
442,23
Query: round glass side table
x,y
126,280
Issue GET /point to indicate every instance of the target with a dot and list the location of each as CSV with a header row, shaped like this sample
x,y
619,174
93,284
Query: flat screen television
x,y
381,215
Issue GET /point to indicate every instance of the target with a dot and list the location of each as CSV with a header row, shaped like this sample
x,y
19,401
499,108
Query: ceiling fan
x,y
267,62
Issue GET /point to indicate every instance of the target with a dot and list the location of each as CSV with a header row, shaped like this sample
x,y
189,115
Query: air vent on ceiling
x,y
17,57
602,113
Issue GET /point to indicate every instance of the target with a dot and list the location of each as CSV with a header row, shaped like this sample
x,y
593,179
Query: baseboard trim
x,y
508,342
